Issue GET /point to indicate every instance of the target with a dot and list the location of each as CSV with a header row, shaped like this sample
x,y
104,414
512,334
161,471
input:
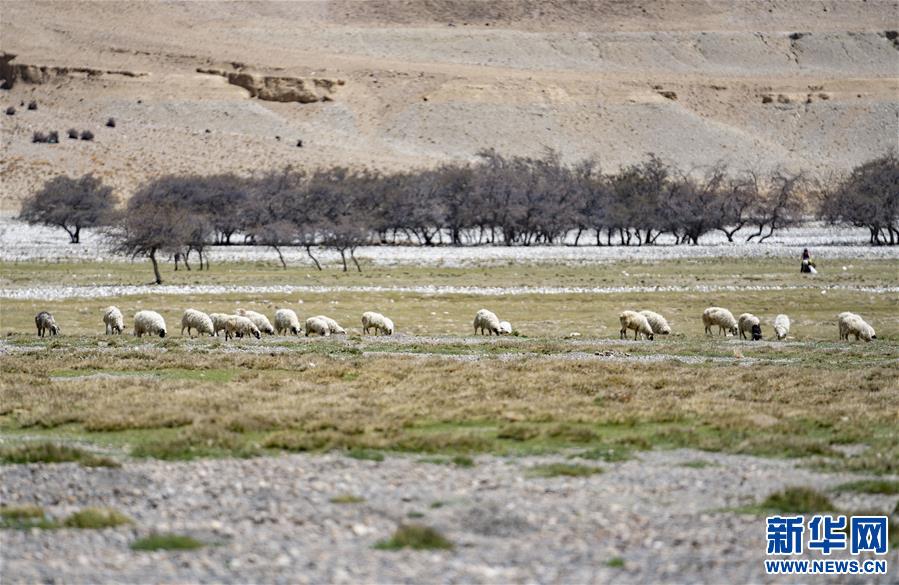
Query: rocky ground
x,y
272,520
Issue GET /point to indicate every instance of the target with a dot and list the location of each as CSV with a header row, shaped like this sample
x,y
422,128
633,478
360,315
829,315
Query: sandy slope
x,y
431,80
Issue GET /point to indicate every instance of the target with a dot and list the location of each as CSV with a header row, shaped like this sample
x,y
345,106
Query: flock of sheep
x,y
244,323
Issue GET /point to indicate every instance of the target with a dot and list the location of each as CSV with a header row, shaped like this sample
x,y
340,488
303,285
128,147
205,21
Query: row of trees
x,y
498,200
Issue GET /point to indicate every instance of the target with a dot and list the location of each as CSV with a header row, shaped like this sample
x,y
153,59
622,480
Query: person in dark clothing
x,y
806,265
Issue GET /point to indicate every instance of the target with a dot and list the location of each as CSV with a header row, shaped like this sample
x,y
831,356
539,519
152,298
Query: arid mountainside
x,y
202,87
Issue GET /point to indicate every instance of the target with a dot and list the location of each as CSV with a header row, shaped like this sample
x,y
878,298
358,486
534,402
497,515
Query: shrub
x,y
32,105
53,137
72,133
10,111
797,500
563,470
163,541
87,135
52,453
110,123
415,536
40,137
96,518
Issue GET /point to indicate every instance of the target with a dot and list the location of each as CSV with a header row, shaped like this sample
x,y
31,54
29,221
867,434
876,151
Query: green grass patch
x,y
871,486
46,452
791,500
96,518
25,518
615,563
608,453
166,541
365,454
563,470
415,536
347,499
698,464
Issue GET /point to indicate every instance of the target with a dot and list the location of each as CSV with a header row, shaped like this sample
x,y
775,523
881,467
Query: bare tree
x,y
71,204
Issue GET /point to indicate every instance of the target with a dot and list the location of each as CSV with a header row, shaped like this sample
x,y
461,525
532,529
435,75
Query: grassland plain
x,y
421,391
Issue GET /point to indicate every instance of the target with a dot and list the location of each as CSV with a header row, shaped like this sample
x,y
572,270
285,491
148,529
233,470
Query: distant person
x,y
807,266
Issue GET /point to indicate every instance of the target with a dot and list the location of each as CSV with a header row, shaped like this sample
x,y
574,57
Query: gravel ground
x,y
270,520
20,242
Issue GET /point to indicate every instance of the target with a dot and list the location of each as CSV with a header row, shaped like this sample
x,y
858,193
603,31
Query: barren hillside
x,y
205,87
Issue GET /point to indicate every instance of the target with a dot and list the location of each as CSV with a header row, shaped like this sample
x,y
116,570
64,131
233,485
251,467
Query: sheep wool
x,y
240,326
114,321
781,327
723,318
194,319
317,326
287,321
46,324
485,320
218,322
259,320
381,324
333,327
149,323
854,325
636,322
748,322
658,323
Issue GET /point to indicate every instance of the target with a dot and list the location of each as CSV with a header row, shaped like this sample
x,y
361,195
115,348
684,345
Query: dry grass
x,y
312,401
533,394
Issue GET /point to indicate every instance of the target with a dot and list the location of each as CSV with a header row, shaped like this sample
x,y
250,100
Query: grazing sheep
x,y
637,322
114,320
149,323
843,322
287,320
723,318
781,327
46,324
852,324
259,320
317,326
505,328
485,320
218,322
658,323
381,324
193,319
752,324
333,327
240,326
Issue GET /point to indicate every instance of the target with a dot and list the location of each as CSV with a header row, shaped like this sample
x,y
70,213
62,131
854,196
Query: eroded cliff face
x,y
12,73
274,88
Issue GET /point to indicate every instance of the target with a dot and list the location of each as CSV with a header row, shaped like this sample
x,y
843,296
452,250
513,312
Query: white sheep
x,y
317,326
287,320
635,321
747,322
852,324
843,322
485,320
149,323
505,328
46,324
240,326
259,320
658,323
194,319
781,326
723,318
218,322
381,324
114,321
333,327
